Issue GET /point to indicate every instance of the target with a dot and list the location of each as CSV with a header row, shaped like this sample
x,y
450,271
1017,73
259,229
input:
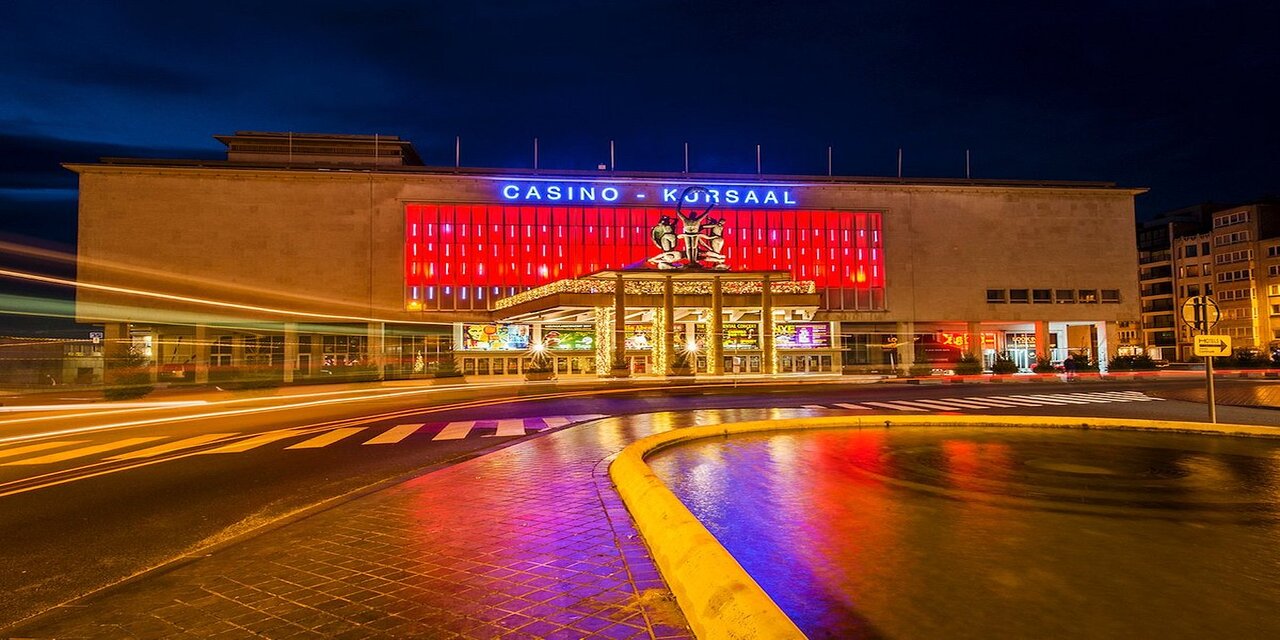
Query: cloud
x,y
34,162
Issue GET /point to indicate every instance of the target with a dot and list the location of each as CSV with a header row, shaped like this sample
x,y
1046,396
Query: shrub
x,y
1132,363
1043,365
968,365
447,367
1004,365
1084,364
127,376
921,370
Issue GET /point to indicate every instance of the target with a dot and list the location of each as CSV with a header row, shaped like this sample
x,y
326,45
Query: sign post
x,y
1201,313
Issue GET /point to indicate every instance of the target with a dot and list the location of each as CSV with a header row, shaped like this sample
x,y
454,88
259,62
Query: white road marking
x,y
255,442
41,446
83,451
395,434
326,439
555,421
855,407
993,402
934,404
896,406
170,447
513,427
455,430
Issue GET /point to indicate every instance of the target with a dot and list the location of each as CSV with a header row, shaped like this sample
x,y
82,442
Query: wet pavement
x,y
530,541
982,533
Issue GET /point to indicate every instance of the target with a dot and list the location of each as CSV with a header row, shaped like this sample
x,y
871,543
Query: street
x,y
91,499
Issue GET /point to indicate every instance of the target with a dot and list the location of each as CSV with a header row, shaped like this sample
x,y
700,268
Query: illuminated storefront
x,y
359,257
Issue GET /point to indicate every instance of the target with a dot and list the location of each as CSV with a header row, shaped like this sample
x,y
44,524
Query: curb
x,y
718,597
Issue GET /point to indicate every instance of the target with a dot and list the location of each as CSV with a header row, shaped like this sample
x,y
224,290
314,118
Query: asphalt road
x,y
90,498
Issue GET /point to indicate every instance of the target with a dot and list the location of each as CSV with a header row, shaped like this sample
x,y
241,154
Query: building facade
x,y
309,255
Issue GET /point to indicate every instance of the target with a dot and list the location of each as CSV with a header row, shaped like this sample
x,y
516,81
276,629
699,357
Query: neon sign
x,y
587,193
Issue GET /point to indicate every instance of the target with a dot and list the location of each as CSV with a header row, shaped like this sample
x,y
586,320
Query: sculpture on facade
x,y
702,235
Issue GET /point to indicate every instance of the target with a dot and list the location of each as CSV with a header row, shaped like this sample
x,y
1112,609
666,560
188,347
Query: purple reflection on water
x,y
981,533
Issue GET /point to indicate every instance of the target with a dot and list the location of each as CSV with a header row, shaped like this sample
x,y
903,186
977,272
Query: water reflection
x,y
979,533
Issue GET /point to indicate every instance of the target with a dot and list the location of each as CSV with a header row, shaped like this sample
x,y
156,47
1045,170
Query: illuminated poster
x,y
639,337
682,340
569,337
802,335
496,337
741,335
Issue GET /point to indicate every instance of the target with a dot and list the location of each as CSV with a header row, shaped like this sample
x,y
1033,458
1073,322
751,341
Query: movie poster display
x,y
496,337
802,335
569,337
639,337
741,335
681,337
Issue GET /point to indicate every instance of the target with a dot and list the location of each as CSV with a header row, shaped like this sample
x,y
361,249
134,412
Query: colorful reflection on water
x,y
984,533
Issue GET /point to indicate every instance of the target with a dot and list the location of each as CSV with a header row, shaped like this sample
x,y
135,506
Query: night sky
x,y
1178,97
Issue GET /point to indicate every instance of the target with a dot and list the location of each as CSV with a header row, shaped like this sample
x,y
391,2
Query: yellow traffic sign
x,y
1212,346
1201,313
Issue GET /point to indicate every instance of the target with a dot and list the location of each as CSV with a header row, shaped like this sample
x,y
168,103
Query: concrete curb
x,y
718,597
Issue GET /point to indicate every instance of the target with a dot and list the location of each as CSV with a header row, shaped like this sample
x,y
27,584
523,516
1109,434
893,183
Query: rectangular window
x,y
1041,296
995,296
1111,296
1089,296
1189,251
1018,296
1273,270
1273,252
1064,296
1273,290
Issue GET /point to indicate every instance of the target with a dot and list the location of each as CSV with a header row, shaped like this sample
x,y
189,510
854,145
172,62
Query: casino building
x,y
317,255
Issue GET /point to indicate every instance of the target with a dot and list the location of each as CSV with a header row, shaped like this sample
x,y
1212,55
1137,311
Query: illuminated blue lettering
x,y
532,193
751,197
787,199
553,192
609,194
770,197
511,192
731,196
587,193
691,197
669,195
713,195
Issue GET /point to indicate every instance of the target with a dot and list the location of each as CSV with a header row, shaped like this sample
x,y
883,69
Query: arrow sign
x,y
1213,346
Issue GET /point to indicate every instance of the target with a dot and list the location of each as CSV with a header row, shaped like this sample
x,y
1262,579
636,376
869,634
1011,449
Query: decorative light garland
x,y
654,288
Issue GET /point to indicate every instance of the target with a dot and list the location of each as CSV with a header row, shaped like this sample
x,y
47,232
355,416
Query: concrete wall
x,y
332,242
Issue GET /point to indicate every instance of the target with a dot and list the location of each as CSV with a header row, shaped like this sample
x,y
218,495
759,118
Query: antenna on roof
x,y
535,154
686,157
828,161
290,149
611,155
899,163
966,165
457,152
757,159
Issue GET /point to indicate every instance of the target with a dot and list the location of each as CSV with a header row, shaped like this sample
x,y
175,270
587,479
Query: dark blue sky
x,y
1177,96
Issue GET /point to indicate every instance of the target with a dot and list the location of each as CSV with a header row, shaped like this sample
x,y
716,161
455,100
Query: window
x,y
1064,296
1204,248
995,296
1230,219
1273,251
220,352
1189,251
1233,256
1273,270
1273,290
1193,290
1192,271
1018,296
1230,238
1041,296
1111,296
1275,309
1088,296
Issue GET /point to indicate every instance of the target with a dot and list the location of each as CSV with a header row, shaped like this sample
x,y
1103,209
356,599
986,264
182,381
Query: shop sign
x,y
569,337
802,335
496,337
682,341
537,191
741,335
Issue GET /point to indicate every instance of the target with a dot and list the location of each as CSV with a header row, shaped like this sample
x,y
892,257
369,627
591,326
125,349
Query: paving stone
x,y
530,541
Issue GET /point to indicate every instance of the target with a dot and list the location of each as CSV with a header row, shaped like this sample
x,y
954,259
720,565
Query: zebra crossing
x,y
126,449
991,402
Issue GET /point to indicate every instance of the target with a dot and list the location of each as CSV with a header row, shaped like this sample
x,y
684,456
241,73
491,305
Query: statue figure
x,y
703,236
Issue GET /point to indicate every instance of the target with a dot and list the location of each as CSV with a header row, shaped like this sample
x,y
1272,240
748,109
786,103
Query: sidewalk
x,y
530,541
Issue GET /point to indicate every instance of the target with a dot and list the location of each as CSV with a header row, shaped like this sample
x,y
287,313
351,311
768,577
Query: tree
x,y
127,374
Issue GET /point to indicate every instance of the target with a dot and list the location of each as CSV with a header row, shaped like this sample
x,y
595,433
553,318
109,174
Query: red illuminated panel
x,y
465,256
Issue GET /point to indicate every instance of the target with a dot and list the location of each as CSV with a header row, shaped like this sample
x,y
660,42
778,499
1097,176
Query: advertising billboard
x,y
569,337
741,335
802,335
496,337
639,337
